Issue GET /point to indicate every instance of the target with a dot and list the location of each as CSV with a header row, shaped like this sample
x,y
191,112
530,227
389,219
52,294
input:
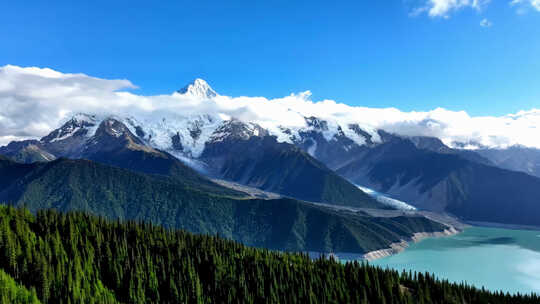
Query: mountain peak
x,y
198,88
84,118
78,126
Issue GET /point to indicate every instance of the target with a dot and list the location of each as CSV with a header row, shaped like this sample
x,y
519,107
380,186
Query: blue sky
x,y
369,53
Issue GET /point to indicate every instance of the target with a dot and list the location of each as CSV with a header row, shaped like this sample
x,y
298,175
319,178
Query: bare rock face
x,y
177,142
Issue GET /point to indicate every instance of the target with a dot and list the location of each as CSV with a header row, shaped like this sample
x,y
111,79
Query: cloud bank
x,y
34,101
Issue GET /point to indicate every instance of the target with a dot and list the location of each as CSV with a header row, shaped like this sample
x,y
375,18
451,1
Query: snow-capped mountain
x,y
296,159
186,135
223,148
516,158
79,125
198,88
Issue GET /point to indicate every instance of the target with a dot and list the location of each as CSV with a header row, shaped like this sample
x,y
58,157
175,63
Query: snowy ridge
x,y
77,123
195,115
193,132
184,122
186,136
80,93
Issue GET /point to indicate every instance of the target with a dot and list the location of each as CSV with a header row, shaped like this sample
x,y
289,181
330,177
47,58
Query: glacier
x,y
382,198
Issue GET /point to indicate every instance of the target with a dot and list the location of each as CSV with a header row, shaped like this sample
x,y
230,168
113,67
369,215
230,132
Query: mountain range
x,y
232,153
162,169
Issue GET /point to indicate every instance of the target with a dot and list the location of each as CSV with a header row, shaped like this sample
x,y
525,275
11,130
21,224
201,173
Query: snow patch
x,y
311,150
387,200
197,165
159,133
66,135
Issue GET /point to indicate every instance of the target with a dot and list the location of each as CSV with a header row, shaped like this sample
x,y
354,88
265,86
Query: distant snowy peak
x,y
187,136
113,133
235,129
198,88
112,127
331,131
78,125
83,118
469,145
179,135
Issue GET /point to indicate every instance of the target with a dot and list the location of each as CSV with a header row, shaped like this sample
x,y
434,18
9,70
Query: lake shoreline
x,y
494,258
398,247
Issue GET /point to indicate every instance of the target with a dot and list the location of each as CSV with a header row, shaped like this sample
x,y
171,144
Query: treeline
x,y
79,258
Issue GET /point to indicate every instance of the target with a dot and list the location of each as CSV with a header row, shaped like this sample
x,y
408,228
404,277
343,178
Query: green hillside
x,y
13,293
116,193
77,258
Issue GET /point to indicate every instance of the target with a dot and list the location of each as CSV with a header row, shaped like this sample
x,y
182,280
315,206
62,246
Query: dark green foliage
x,y
158,163
13,293
78,258
68,185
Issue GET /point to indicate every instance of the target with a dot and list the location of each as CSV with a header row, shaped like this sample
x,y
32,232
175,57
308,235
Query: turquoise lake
x,y
498,259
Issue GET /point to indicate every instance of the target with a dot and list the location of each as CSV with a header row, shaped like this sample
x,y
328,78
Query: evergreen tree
x,y
79,258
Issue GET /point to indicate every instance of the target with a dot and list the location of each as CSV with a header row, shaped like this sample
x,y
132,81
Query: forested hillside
x,y
12,292
284,224
78,258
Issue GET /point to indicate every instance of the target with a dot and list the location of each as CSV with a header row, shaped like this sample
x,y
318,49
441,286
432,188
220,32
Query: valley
x,y
317,167
270,152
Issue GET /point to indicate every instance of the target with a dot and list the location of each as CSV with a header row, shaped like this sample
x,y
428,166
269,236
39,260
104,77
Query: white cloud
x,y
443,8
485,23
524,5
35,101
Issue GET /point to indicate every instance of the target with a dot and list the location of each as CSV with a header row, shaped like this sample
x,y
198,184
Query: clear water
x,y
498,259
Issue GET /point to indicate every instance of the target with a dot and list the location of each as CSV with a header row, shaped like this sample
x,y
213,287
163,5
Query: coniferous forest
x,y
54,257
